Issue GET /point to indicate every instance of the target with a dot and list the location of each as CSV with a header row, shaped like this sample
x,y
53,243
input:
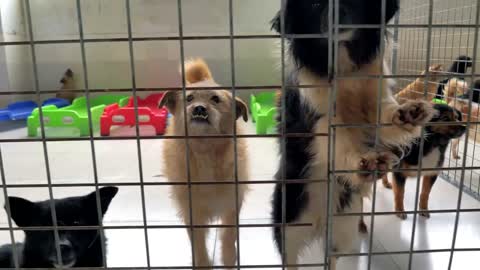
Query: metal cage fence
x,y
446,45
426,32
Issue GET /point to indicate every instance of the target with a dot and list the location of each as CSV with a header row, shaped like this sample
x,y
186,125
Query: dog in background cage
x,y
307,112
78,248
453,87
68,85
463,105
432,156
208,113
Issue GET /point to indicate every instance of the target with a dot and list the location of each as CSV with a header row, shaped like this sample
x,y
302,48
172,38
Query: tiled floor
x,y
71,162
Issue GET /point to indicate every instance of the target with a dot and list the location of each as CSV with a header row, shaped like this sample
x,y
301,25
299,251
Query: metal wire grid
x,y
447,45
423,22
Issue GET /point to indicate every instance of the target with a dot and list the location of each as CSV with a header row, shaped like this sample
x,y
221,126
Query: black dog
x,y
79,248
434,148
305,160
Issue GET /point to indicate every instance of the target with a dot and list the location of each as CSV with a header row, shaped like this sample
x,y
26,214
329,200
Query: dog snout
x,y
200,111
66,249
67,253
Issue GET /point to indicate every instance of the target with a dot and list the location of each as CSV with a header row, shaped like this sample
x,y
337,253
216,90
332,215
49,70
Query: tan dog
x,y
209,112
68,84
462,105
415,90
454,88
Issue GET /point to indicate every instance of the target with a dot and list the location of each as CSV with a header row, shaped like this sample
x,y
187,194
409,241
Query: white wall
x,y
15,61
156,62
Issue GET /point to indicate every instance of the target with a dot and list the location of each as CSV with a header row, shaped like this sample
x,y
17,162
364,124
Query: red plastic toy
x,y
148,114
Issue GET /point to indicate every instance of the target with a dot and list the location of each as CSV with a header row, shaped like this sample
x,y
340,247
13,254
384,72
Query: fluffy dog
x,y
457,86
209,112
306,157
79,248
68,84
434,148
416,90
463,106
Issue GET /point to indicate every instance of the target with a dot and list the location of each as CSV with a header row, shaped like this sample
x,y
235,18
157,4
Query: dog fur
x,y
463,106
68,85
459,67
416,89
211,159
306,158
434,148
79,248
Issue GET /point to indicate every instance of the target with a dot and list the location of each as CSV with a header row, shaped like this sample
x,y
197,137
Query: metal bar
x,y
137,130
469,116
15,251
377,131
42,126
395,45
90,125
238,87
227,37
422,139
332,73
187,145
234,126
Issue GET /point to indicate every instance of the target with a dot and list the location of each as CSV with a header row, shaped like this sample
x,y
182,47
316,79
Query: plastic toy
x,y
263,110
23,109
439,101
75,115
148,114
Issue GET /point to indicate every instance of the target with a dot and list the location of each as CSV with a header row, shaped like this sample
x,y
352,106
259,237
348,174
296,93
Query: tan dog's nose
x,y
200,110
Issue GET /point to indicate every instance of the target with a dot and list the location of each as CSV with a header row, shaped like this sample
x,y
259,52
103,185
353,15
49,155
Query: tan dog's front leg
x,y
198,238
200,247
229,238
455,148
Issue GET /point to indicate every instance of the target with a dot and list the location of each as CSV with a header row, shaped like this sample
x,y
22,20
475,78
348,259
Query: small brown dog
x,y
68,84
209,112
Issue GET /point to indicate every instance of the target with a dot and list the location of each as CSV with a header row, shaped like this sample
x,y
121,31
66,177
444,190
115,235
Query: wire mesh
x,y
425,32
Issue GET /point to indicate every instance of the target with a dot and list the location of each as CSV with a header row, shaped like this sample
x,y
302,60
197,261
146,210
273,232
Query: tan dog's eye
x,y
189,98
215,99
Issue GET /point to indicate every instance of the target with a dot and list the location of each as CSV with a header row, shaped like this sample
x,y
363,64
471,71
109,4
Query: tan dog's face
x,y
208,111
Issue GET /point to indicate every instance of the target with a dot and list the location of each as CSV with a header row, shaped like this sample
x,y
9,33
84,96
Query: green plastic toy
x,y
264,110
75,115
439,101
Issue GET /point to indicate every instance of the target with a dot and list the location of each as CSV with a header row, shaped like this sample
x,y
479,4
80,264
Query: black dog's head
x,y
461,64
446,113
312,17
39,245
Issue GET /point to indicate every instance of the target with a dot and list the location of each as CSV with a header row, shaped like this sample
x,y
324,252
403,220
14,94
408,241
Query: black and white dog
x,y
79,248
306,157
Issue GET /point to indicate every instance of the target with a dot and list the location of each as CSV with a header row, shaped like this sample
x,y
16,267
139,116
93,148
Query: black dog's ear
x,y
391,9
275,22
169,100
22,211
106,196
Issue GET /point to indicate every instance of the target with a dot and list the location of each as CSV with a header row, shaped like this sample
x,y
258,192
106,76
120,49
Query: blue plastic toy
x,y
23,109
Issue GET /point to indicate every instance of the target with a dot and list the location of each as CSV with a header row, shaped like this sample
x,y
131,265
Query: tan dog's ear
x,y
169,100
242,109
